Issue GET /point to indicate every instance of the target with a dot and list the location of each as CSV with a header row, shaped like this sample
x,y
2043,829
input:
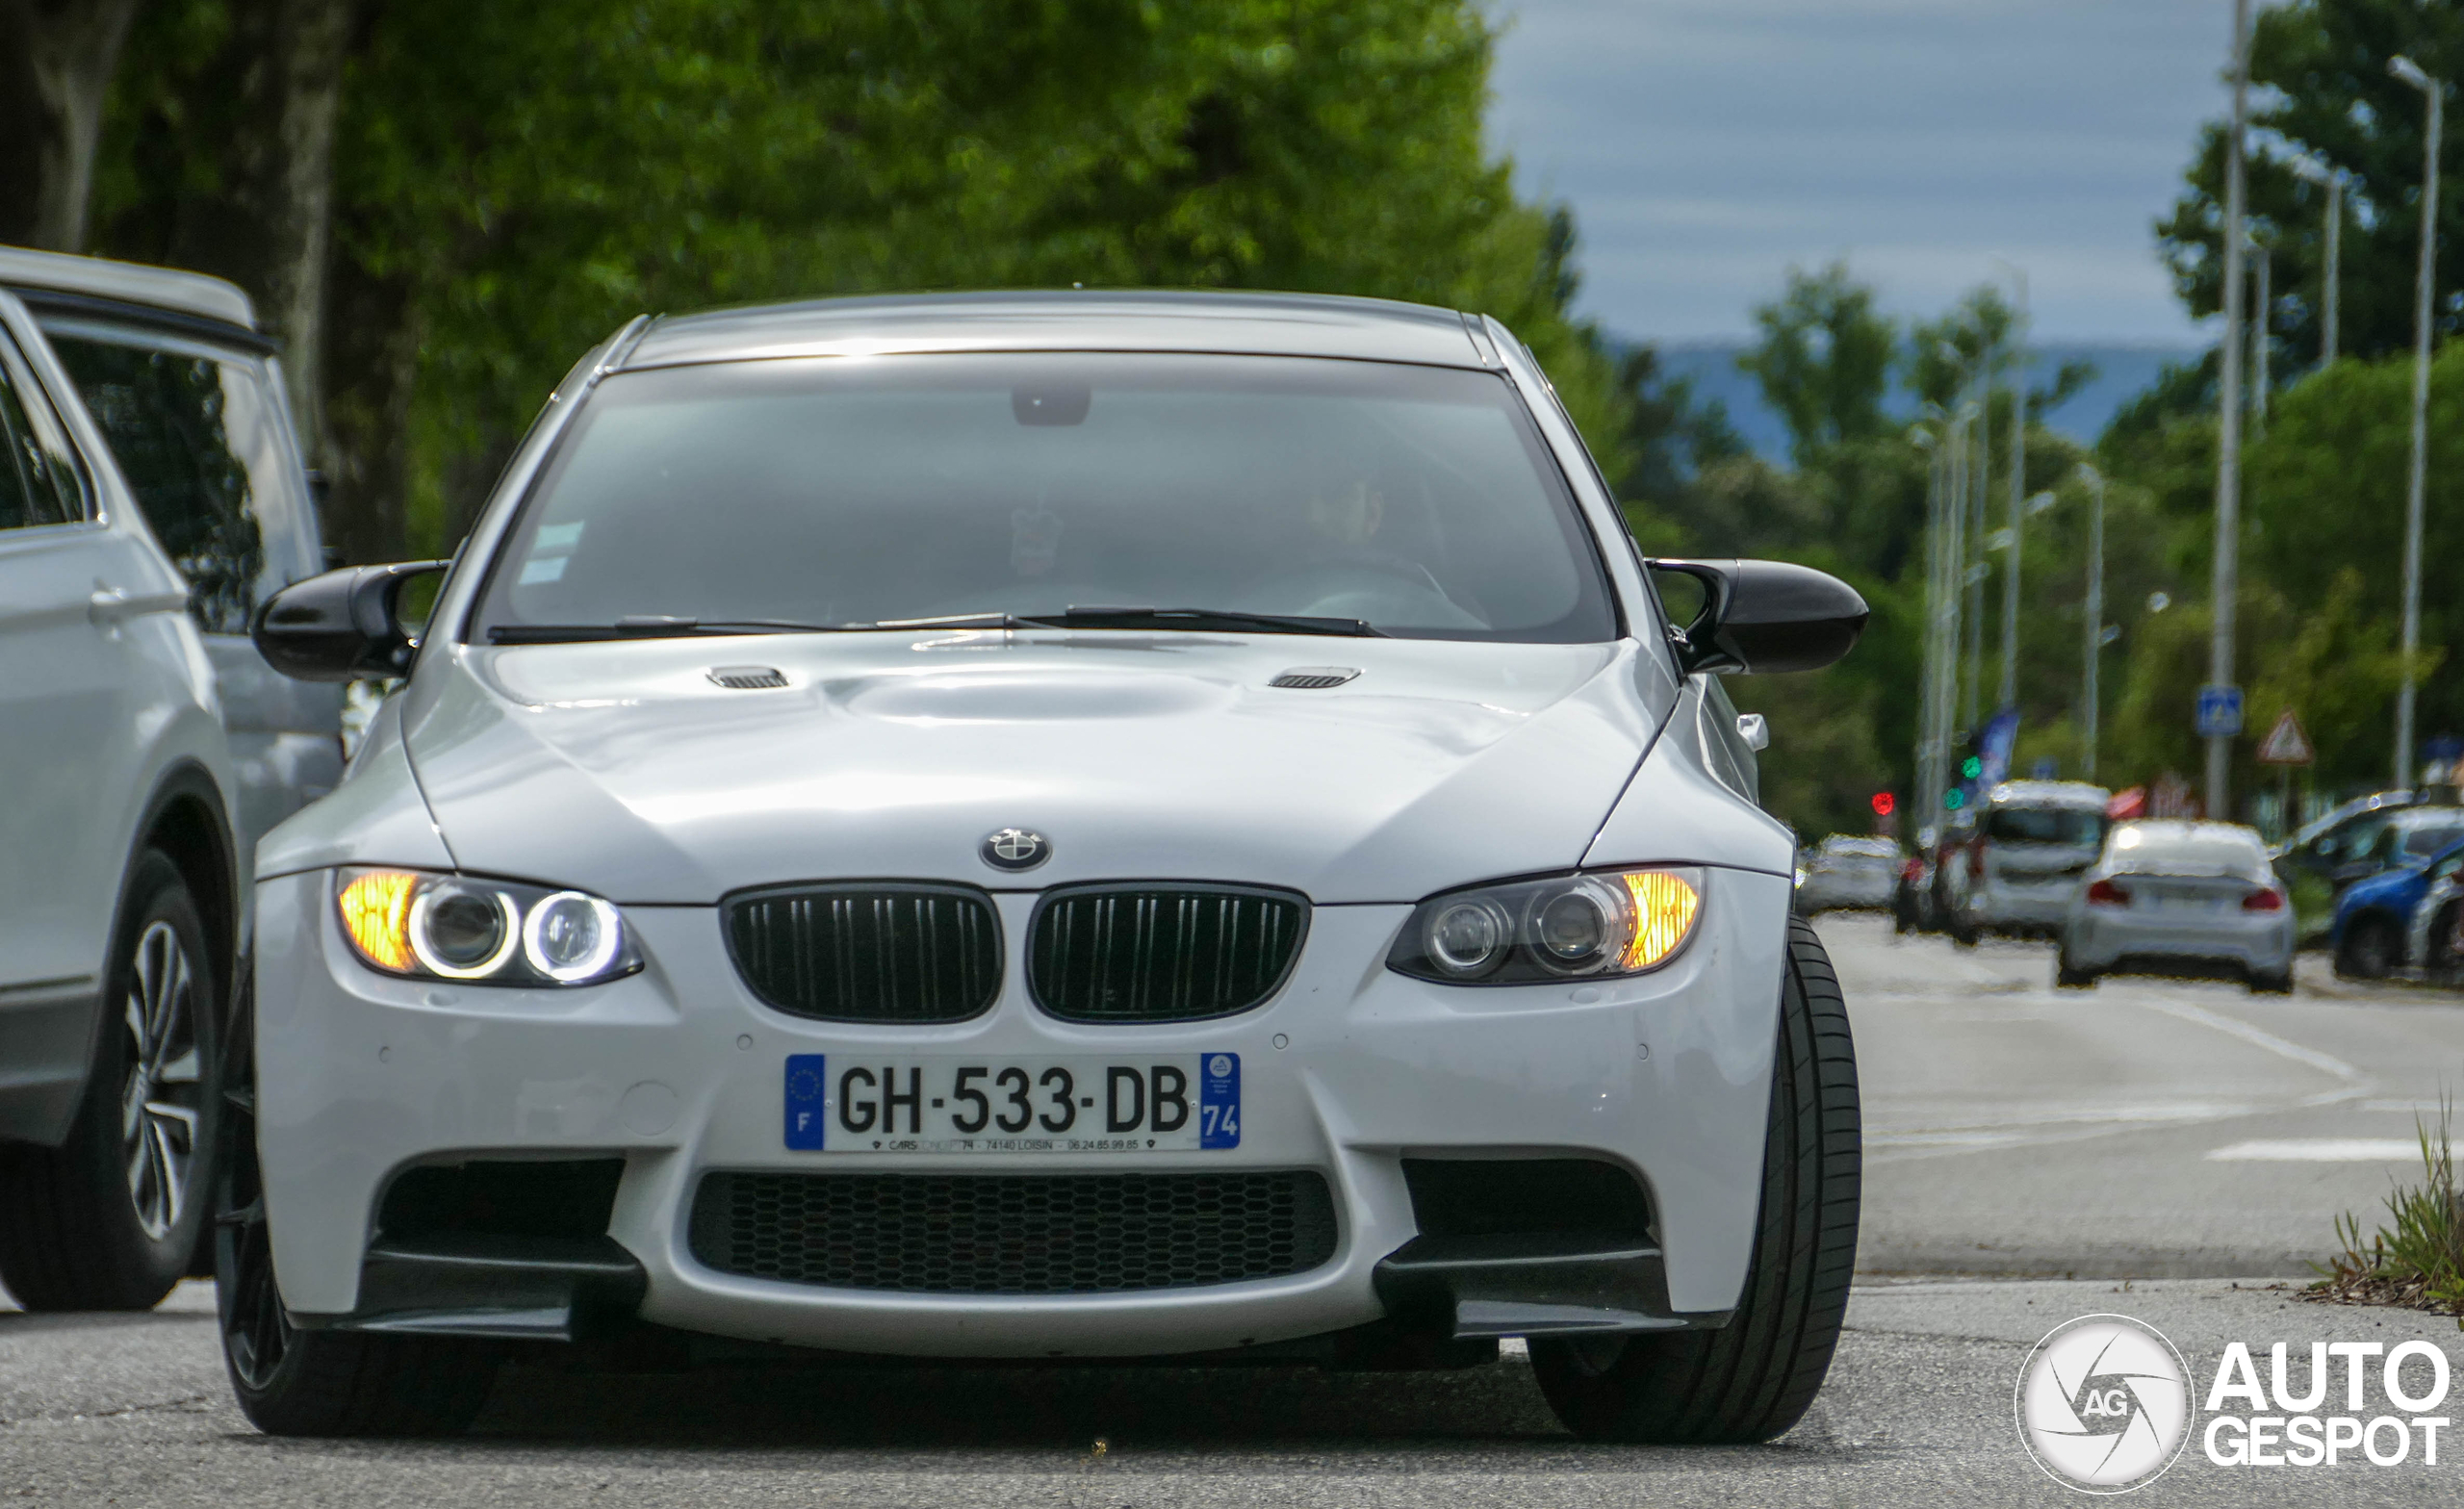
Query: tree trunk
x,y
55,63
269,227
373,367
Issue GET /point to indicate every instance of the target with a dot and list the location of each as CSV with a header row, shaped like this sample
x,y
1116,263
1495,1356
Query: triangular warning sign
x,y
2285,743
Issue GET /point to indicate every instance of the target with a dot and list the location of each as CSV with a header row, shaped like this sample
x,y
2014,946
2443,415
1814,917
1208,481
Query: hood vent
x,y
1314,678
747,677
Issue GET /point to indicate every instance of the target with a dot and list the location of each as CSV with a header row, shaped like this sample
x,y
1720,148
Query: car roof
x,y
169,289
1066,320
2176,829
2049,793
2425,815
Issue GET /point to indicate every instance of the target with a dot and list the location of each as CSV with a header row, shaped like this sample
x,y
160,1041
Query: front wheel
x,y
291,1382
2066,976
2368,951
108,1220
1753,1378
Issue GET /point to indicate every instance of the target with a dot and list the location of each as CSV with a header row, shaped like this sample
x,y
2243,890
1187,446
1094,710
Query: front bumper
x,y
1351,1070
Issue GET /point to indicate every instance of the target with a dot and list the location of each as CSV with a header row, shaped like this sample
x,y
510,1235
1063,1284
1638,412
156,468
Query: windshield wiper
x,y
652,626
1108,617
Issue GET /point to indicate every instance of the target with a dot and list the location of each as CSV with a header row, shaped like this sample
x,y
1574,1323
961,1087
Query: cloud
x,y
1708,144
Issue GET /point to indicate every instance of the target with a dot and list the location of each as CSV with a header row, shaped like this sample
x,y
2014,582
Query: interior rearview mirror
x,y
347,623
1758,617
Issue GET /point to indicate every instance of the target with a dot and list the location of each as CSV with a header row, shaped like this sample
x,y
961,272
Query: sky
x,y
1707,145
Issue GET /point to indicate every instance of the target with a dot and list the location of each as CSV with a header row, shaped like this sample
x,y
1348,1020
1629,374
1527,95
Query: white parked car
x,y
121,901
1846,871
1065,825
2020,864
2180,898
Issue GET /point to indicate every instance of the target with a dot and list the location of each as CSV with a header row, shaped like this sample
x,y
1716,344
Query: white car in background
x,y
2181,899
1846,871
1050,826
2021,865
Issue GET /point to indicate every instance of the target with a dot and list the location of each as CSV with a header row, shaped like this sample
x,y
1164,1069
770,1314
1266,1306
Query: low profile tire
x,y
2280,983
291,1382
1962,932
1753,1378
109,1219
2068,977
2368,951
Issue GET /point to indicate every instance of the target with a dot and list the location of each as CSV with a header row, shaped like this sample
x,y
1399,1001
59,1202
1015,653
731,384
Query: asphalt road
x,y
2012,1131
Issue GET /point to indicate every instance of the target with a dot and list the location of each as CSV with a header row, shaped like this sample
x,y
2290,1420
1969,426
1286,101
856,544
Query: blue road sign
x,y
2220,711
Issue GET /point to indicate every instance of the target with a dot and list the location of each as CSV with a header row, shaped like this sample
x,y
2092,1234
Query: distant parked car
x,y
2435,937
2380,923
2351,843
1911,894
2015,875
2176,898
188,396
121,899
1845,871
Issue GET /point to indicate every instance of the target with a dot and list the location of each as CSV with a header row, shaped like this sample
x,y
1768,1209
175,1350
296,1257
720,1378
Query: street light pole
x,y
2330,279
2225,582
2416,484
2008,697
2096,614
2261,339
1972,573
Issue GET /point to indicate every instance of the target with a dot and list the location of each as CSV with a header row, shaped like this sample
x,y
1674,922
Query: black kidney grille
x,y
869,952
1165,954
1014,1233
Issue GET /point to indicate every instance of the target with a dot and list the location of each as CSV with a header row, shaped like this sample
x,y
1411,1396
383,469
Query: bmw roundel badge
x,y
1017,849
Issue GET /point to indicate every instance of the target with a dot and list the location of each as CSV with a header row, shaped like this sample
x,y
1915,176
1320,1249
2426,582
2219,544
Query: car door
x,y
202,432
71,687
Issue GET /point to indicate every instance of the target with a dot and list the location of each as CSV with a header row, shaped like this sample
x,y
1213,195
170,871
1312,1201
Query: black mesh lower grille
x,y
1162,953
869,952
1014,1233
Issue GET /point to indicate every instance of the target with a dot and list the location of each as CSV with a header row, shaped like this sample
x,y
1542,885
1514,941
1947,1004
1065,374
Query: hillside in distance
x,y
2122,374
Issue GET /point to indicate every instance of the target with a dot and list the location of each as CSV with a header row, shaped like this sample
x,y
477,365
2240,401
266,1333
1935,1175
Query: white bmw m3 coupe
x,y
1079,826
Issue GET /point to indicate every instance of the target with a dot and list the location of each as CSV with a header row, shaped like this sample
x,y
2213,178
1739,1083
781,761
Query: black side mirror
x,y
1766,616
341,626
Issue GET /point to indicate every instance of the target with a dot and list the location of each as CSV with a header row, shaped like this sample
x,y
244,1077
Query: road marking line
x,y
2259,1037
2319,1150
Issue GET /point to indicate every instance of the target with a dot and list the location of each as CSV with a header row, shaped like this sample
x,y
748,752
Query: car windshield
x,y
2076,827
837,491
2425,838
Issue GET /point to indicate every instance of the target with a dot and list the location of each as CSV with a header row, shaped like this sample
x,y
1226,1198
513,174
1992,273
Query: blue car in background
x,y
2373,934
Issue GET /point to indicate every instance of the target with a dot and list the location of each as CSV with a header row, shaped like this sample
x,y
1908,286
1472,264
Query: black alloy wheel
x,y
2369,949
1753,1378
293,1381
110,1218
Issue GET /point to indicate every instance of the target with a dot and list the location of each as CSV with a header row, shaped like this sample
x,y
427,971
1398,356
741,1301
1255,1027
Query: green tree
x,y
2323,92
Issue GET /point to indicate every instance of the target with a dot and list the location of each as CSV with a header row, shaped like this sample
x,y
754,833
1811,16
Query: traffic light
x,y
1884,803
1954,799
1972,767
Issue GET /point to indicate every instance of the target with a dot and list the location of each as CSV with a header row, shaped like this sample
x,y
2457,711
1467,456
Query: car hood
x,y
626,768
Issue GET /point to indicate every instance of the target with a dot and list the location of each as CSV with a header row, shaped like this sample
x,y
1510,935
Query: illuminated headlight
x,y
1617,922
428,925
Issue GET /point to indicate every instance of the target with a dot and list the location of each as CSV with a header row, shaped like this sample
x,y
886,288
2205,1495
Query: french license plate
x,y
863,1103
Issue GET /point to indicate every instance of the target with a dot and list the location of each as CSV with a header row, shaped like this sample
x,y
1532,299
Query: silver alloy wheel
x,y
159,1107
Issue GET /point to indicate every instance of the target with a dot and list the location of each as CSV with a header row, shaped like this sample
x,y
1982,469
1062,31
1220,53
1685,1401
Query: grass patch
x,y
2416,1260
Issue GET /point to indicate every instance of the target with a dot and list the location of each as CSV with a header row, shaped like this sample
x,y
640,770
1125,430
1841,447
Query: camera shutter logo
x,y
2104,1404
